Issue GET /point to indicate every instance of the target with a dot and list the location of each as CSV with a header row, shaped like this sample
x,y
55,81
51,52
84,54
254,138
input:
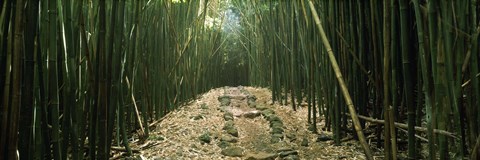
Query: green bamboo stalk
x,y
432,27
118,76
73,109
38,149
474,125
25,144
112,75
42,88
4,23
102,96
16,72
388,146
5,76
53,96
427,81
344,89
62,75
407,80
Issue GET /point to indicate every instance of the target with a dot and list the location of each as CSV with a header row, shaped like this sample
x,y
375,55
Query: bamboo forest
x,y
239,79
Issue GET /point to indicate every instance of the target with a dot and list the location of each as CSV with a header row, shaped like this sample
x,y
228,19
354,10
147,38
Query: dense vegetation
x,y
78,76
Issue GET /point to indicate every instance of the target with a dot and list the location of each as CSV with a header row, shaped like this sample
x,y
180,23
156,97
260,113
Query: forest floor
x,y
241,123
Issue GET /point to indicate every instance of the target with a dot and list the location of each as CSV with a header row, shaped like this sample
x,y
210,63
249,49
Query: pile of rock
x,y
276,125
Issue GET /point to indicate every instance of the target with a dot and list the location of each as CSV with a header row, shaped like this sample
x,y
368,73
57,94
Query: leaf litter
x,y
176,136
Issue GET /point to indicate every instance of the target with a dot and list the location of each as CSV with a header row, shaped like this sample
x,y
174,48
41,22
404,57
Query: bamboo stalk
x,y
405,126
389,140
26,119
342,84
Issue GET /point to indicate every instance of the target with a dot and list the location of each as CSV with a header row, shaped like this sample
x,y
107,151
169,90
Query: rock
x,y
233,132
266,113
284,149
251,114
277,130
228,116
197,117
273,118
287,153
261,107
252,101
260,156
323,137
229,139
224,100
223,144
252,98
304,142
203,106
222,109
205,138
252,104
232,152
278,124
238,97
291,136
228,125
276,138
291,157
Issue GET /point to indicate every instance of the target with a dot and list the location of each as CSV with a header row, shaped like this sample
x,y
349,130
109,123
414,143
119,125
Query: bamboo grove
x,y
79,77
410,66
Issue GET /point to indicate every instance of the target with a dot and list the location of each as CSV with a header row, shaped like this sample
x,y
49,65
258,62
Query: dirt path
x,y
244,125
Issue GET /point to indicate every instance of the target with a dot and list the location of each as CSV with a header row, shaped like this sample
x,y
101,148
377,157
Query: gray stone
x,y
291,136
232,152
304,142
287,153
228,125
277,130
203,106
252,104
251,114
291,157
197,117
228,116
260,156
266,113
276,138
323,137
205,138
238,97
222,109
229,139
252,98
278,124
284,149
224,100
233,132
274,118
223,144
261,107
